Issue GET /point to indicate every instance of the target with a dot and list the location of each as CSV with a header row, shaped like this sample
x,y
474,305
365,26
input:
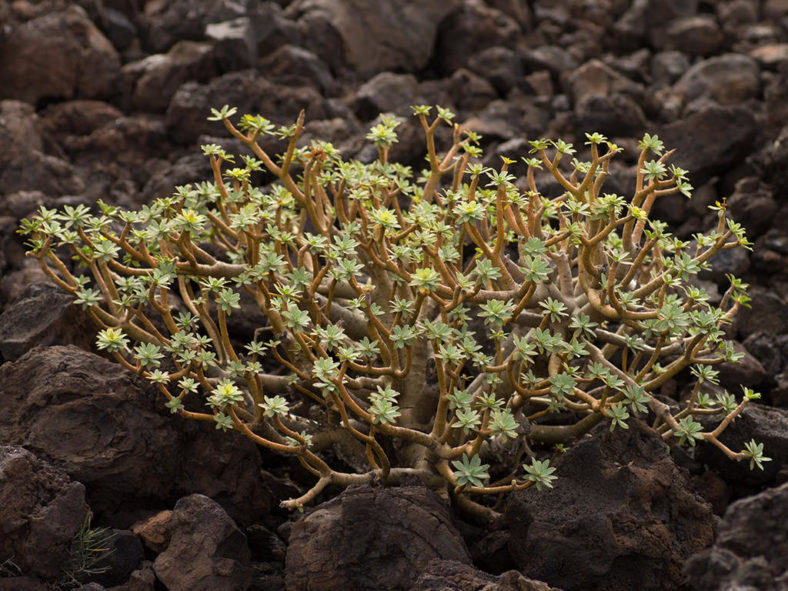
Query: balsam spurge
x,y
428,323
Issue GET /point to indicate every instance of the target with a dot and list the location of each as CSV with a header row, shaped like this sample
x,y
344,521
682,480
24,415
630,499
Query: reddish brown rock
x,y
59,55
110,431
207,551
368,535
41,510
621,516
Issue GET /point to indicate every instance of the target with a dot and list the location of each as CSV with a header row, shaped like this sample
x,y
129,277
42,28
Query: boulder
x,y
395,35
450,575
751,549
711,140
42,315
41,510
368,535
110,431
68,54
728,79
156,78
621,516
206,552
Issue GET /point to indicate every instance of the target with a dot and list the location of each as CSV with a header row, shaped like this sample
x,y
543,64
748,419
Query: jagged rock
x,y
762,423
207,551
395,35
751,549
728,79
711,140
124,555
59,55
694,35
142,579
615,115
42,315
23,584
109,431
251,93
154,531
774,92
748,371
40,172
767,313
156,78
470,29
295,66
272,29
77,117
41,510
753,206
502,67
385,93
234,43
19,131
668,66
368,535
549,57
162,24
621,516
595,77
450,575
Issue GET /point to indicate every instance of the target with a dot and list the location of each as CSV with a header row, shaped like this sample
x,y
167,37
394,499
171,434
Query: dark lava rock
x,y
250,93
762,423
368,535
616,115
207,551
77,117
728,79
668,66
36,171
162,24
385,93
296,66
621,516
109,431
19,131
396,35
43,315
156,78
694,35
59,55
41,510
751,549
753,206
776,163
768,313
450,575
502,67
123,556
234,44
748,370
711,140
23,584
469,30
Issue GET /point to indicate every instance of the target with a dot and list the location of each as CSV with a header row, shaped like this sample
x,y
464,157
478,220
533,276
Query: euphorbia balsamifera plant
x,y
430,324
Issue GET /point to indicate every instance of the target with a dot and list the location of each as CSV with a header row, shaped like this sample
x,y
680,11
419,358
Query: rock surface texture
x,y
369,535
638,516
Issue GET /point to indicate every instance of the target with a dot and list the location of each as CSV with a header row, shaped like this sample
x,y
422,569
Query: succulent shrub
x,y
429,323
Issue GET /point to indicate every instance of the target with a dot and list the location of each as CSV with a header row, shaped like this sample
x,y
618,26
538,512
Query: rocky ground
x,y
108,98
